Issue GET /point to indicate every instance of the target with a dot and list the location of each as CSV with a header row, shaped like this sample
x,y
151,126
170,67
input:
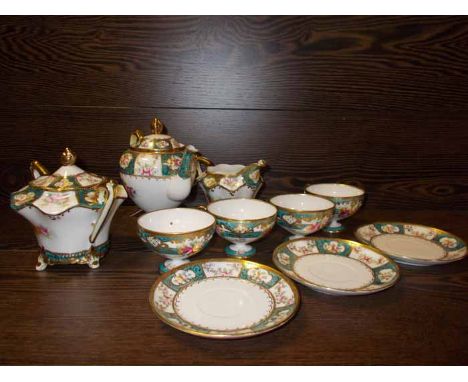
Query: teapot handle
x,y
37,169
104,212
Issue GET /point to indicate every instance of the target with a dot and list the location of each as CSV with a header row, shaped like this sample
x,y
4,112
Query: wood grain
x,y
313,63
394,159
73,315
377,101
380,102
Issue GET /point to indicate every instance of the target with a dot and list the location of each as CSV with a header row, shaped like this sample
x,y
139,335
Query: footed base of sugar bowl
x,y
90,257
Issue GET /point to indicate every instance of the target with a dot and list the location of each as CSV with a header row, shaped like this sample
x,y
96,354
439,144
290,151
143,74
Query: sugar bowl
x,y
71,212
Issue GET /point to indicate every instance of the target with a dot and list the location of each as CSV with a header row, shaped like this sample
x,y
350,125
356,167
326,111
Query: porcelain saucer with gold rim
x,y
413,244
336,266
224,298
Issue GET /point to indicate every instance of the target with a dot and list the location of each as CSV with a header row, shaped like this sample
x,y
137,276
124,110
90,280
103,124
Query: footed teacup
x,y
242,221
302,214
348,199
176,234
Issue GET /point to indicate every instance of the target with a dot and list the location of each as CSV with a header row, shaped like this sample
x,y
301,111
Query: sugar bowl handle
x,y
37,169
104,212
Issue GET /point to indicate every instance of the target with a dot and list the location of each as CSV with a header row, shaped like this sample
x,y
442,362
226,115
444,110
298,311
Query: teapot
x,y
71,212
157,171
232,181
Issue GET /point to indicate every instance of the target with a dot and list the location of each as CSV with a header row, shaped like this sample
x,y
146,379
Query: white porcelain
x,y
157,171
226,181
347,199
71,211
413,244
176,234
302,214
224,298
336,266
242,221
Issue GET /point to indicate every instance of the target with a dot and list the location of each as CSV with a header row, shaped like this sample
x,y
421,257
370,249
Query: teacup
x,y
176,234
348,199
242,221
302,214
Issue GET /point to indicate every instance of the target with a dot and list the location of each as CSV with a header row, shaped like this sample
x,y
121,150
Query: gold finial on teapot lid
x,y
68,157
157,126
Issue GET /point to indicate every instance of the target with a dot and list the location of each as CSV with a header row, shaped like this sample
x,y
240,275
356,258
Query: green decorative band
x,y
233,253
76,257
156,164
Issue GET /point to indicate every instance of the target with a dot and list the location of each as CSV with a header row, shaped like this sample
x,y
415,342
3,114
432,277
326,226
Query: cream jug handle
x,y
206,162
37,169
104,212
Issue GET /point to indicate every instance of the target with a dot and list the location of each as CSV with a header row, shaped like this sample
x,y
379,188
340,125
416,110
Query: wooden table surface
x,y
74,315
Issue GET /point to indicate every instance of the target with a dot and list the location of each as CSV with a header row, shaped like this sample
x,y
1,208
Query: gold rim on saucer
x,y
377,271
190,298
441,246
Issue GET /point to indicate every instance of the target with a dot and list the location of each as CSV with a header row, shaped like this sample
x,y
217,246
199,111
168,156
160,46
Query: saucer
x,y
413,244
336,266
224,298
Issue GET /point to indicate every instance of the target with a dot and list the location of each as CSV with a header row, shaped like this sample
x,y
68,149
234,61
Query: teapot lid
x,y
155,142
66,188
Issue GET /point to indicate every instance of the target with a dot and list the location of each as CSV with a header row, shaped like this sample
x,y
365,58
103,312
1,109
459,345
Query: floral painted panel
x,y
244,229
87,179
53,203
385,271
455,248
285,305
148,164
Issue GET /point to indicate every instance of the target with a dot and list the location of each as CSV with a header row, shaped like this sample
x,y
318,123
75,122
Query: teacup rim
x,y
303,211
212,225
241,220
363,192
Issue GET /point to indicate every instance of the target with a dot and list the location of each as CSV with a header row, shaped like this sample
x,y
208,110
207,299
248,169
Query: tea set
x,y
71,211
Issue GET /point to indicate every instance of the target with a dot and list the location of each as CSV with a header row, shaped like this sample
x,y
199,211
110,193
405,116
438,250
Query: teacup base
x,y
293,237
334,227
171,264
240,250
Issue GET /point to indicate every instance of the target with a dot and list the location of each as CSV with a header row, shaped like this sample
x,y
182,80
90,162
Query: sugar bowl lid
x,y
62,190
155,142
68,177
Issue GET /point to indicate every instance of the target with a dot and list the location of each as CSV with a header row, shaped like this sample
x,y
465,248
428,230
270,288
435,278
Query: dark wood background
x,y
381,102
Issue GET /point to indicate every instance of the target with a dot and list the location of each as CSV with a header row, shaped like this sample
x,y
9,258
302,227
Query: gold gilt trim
x,y
293,210
415,260
241,220
245,264
39,167
264,289
173,150
188,233
361,196
354,244
74,188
